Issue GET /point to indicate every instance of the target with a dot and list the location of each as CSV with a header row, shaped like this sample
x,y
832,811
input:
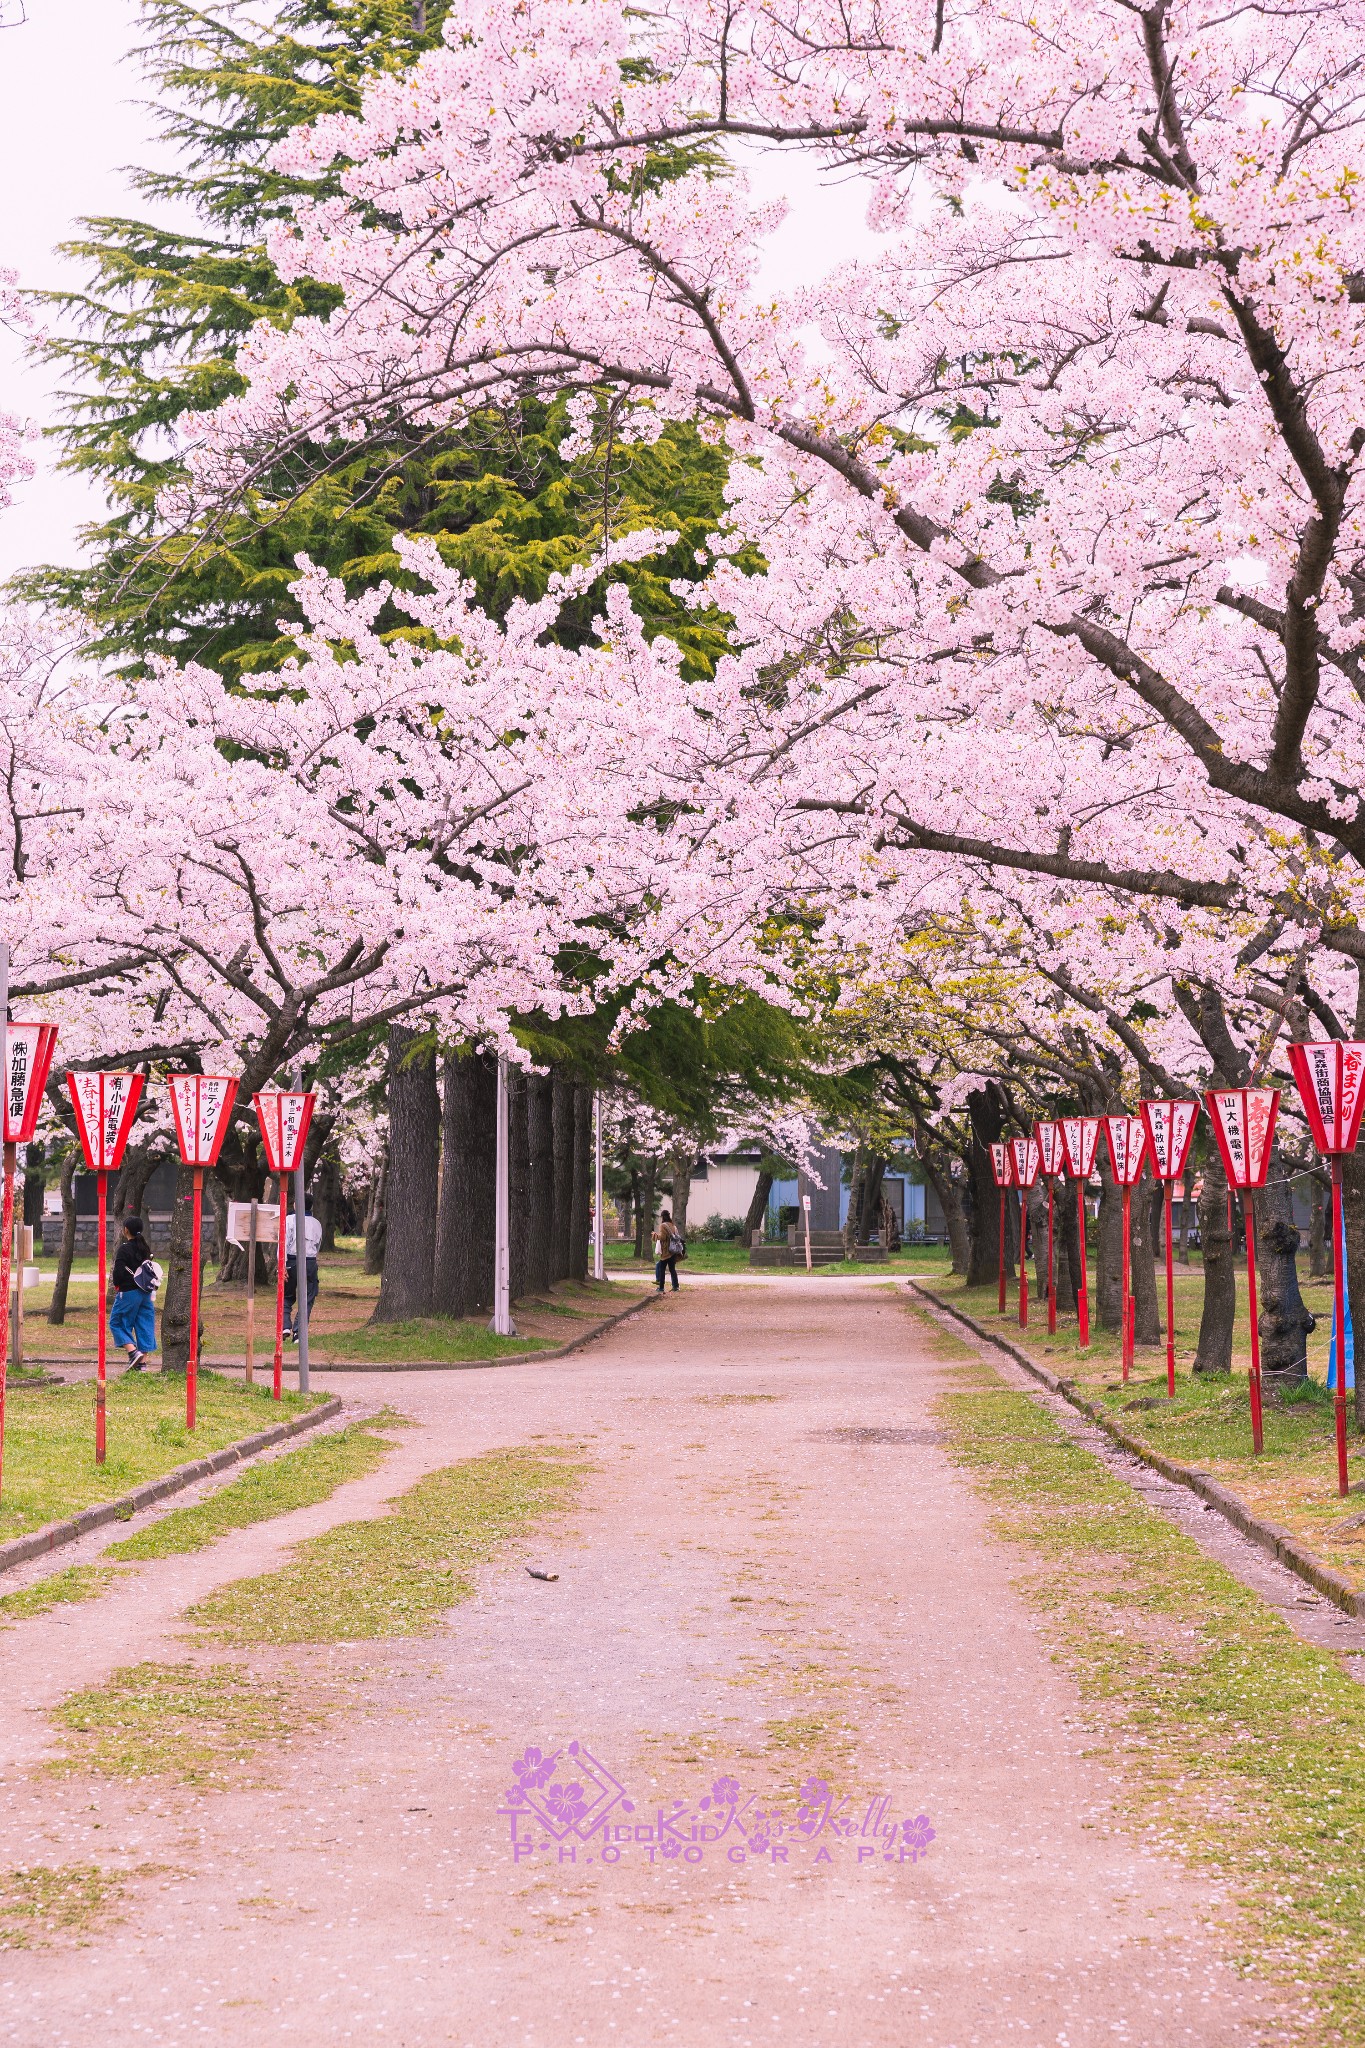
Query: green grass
x,y
194,1723
733,1257
449,1340
277,1487
50,1470
40,1901
77,1582
397,1575
1243,1745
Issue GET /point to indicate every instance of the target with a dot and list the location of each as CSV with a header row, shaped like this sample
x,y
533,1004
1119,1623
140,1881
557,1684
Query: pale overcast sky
x,y
70,120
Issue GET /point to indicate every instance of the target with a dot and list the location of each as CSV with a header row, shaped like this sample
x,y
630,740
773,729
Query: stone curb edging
x,y
21,1548
491,1364
1269,1535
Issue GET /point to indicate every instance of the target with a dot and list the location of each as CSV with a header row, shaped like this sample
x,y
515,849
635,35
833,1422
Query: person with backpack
x,y
669,1248
132,1319
312,1245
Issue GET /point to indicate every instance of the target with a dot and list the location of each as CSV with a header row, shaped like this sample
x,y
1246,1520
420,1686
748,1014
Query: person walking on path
x,y
312,1245
132,1319
666,1243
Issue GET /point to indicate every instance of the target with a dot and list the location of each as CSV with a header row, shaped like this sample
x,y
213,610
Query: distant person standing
x,y
312,1245
132,1319
666,1253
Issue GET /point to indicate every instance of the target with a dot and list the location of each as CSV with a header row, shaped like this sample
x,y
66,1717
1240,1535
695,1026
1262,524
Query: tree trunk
x,y
376,1214
680,1164
1068,1226
1109,1248
757,1210
1147,1316
405,1290
1214,1352
1037,1211
579,1214
518,1180
539,1181
35,1183
644,1216
463,1277
562,1193
1319,1230
129,1190
327,1198
869,1209
175,1316
854,1211
1284,1322
984,1109
1353,1226
954,1216
57,1308
1186,1204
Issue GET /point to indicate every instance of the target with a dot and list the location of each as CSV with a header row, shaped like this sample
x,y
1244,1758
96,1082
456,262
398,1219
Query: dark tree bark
x,y
175,1315
1284,1322
1319,1230
1037,1212
518,1181
644,1212
1353,1226
561,1212
1109,1245
986,1112
869,1208
1147,1319
539,1181
853,1213
757,1210
579,1214
463,1279
327,1198
35,1183
680,1164
1068,1249
1186,1204
57,1307
1214,1352
376,1216
405,1290
130,1189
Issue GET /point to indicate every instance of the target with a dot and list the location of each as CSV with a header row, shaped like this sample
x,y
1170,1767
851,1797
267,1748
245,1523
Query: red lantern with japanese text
x,y
1330,1077
1243,1122
1170,1133
1126,1138
284,1116
105,1104
202,1106
1052,1154
1080,1141
1002,1166
28,1062
1026,1163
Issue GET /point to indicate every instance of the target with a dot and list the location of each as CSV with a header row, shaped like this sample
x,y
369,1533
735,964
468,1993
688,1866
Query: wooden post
x,y
251,1295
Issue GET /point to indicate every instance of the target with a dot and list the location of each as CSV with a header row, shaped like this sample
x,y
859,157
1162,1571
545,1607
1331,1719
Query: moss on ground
x,y
449,1340
1245,1747
50,1470
397,1575
277,1487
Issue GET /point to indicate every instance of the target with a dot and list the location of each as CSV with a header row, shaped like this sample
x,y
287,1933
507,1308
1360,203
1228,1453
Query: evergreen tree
x,y
156,333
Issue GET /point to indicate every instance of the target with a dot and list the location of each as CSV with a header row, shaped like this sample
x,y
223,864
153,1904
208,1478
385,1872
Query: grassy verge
x,y
1245,1747
297,1480
50,1470
199,1722
77,1582
450,1340
397,1575
41,1902
1208,1424
733,1257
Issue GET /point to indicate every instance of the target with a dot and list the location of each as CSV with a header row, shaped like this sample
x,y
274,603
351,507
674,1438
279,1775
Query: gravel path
x,y
773,1576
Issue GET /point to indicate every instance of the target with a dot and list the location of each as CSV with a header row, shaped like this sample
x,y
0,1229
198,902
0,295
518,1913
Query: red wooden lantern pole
x,y
1126,1137
1002,1168
284,1116
1330,1077
28,1059
1080,1138
202,1107
1026,1162
1243,1122
105,1104
1170,1133
1051,1152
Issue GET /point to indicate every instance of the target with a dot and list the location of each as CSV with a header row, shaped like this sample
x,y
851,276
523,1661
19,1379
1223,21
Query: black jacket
x,y
127,1259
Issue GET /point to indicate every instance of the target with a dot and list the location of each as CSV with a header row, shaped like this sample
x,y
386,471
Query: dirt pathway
x,y
774,1578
